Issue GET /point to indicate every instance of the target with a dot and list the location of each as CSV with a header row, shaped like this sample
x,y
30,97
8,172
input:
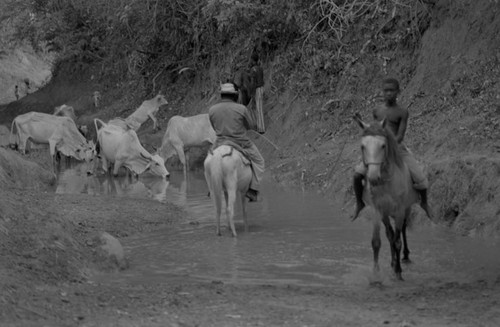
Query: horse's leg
x,y
244,211
376,243
227,212
215,195
406,251
399,222
218,208
230,207
390,237
231,187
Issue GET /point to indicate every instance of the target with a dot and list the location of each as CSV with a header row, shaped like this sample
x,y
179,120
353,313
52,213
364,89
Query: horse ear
x,y
359,120
383,123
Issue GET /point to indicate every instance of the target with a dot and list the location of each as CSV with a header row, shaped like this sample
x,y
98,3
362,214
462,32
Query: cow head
x,y
160,100
156,164
89,154
65,111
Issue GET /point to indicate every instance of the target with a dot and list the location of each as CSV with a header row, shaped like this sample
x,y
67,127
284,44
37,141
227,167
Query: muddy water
x,y
294,238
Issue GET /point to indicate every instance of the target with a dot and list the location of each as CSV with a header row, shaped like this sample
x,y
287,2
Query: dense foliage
x,y
155,39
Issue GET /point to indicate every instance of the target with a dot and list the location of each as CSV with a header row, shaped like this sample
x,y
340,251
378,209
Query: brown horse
x,y
388,189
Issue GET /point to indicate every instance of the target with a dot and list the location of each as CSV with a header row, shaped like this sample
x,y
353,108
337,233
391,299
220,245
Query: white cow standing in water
x,y
123,148
60,133
186,132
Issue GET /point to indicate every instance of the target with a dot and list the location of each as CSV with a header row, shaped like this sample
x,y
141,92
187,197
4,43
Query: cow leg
x,y
180,153
23,139
116,167
52,150
186,165
105,165
155,123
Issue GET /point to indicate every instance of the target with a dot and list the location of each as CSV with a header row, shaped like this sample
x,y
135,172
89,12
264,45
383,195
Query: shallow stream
x,y
294,238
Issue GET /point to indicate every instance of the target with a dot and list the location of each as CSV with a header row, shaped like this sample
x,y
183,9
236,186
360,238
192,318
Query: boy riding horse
x,y
396,119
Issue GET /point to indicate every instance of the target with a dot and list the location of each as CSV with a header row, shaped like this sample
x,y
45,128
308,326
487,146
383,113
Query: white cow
x,y
186,132
123,148
60,133
148,109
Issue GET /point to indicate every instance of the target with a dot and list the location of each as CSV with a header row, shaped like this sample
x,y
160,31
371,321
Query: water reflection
x,y
294,238
74,180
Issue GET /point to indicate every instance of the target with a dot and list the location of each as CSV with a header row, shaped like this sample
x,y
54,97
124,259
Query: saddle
x,y
234,146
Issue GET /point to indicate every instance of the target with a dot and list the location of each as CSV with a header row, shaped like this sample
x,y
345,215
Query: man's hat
x,y
228,88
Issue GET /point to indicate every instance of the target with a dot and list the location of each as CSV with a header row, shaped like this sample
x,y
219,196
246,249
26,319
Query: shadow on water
x,y
294,238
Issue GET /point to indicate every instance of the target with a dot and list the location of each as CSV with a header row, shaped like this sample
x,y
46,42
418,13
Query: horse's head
x,y
378,148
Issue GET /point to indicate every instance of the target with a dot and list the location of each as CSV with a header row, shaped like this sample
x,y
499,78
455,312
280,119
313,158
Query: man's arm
x,y
402,126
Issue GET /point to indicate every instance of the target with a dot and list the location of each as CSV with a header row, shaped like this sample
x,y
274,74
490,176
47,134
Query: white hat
x,y
228,88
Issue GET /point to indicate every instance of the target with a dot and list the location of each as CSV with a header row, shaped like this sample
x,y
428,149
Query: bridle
x,y
380,163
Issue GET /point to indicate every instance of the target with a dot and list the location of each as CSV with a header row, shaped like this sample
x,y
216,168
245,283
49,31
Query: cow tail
x,y
14,124
98,143
97,120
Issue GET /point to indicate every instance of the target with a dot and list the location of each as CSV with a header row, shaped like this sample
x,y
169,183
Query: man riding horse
x,y
231,121
396,121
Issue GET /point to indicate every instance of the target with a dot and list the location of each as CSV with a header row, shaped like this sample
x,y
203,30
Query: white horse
x,y
228,171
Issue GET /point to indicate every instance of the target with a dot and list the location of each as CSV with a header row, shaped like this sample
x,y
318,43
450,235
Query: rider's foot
x,y
358,192
423,202
252,195
359,207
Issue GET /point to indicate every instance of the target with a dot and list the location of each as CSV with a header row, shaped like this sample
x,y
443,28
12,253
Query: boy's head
x,y
390,87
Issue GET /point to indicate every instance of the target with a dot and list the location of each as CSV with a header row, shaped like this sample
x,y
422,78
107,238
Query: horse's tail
x,y
216,176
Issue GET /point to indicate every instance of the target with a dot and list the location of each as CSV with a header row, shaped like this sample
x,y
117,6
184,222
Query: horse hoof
x,y
406,261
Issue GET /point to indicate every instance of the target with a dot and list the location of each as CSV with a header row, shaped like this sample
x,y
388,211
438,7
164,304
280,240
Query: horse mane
x,y
393,151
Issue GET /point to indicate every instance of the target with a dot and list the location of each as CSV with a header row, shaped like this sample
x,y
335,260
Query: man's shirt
x,y
231,121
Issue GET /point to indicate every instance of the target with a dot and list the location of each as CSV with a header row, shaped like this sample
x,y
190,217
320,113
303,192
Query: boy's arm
x,y
402,126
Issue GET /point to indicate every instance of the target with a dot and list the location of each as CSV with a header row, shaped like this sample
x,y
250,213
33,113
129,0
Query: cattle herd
x,y
117,143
